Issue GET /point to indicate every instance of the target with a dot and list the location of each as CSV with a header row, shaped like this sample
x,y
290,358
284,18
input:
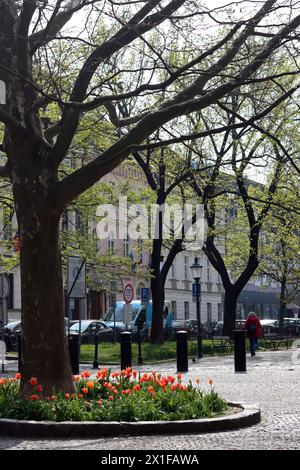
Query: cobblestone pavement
x,y
272,381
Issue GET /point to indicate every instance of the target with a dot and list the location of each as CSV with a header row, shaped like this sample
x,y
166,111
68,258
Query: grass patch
x,y
110,353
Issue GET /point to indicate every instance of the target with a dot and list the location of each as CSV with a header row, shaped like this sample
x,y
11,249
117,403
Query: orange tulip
x,y
85,374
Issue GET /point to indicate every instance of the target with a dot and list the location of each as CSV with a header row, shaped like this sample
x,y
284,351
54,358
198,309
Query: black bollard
x,y
240,351
19,354
74,350
126,355
96,362
182,351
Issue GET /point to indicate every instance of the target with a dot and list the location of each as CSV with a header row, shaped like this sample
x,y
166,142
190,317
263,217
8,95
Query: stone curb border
x,y
248,416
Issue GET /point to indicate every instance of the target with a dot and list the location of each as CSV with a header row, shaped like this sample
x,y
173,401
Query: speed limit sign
x,y
128,293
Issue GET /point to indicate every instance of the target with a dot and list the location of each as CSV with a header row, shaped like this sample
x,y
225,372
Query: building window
x,y
209,312
111,244
140,251
173,270
186,310
65,221
77,220
126,247
208,276
10,298
139,290
220,312
186,267
267,310
96,240
174,309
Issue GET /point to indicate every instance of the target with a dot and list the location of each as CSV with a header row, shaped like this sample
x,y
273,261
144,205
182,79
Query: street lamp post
x,y
196,269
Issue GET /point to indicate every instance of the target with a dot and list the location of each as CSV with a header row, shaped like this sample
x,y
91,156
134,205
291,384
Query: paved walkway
x,y
272,381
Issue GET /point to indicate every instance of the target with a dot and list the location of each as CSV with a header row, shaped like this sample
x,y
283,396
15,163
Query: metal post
x,y
96,363
182,351
140,359
198,296
126,350
239,351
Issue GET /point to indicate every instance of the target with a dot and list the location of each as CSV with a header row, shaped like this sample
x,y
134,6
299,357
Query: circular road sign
x,y
128,293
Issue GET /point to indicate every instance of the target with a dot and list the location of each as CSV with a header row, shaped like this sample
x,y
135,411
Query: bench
x,y
221,344
274,341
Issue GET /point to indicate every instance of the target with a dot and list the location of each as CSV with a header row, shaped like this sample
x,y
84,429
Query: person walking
x,y
253,328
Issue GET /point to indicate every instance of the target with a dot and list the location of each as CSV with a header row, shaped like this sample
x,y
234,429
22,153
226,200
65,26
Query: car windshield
x,y
12,325
84,326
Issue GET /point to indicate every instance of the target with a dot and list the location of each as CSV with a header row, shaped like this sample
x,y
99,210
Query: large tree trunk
x,y
282,311
44,344
158,298
230,302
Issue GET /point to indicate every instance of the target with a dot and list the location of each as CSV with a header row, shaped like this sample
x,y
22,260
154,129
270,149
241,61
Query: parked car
x,y
269,326
89,328
217,329
193,325
181,325
291,326
68,324
9,334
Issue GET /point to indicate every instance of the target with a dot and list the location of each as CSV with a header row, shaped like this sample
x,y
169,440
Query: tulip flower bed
x,y
118,396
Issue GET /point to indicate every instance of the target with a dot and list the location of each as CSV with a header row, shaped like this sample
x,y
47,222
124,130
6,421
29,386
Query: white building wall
x,y
179,287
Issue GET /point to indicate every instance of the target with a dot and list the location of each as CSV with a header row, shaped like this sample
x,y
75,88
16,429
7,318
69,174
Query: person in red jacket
x,y
253,328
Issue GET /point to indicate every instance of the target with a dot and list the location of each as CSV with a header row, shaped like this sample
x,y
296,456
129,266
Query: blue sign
x,y
145,294
195,289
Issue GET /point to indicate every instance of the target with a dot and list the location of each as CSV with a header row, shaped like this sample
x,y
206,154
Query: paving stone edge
x,y
248,416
